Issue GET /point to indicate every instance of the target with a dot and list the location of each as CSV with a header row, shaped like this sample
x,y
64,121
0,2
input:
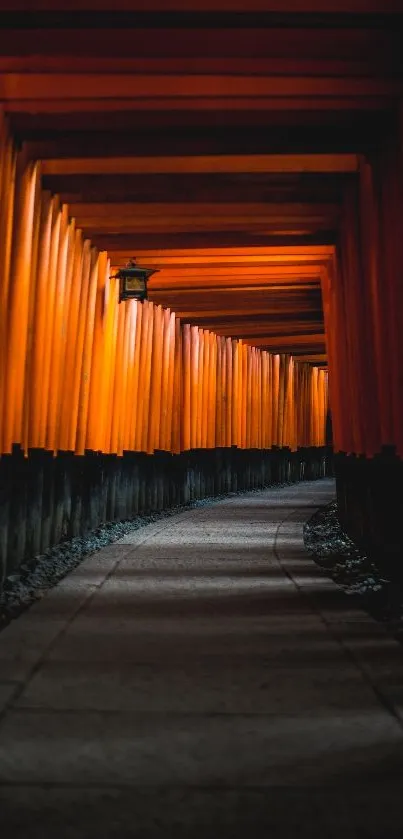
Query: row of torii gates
x,y
255,156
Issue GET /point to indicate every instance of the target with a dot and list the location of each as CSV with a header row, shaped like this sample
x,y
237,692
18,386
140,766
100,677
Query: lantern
x,y
133,281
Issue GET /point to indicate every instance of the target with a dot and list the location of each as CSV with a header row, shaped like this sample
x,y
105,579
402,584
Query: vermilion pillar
x,y
363,305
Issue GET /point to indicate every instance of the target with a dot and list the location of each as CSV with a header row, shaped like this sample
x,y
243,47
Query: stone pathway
x,y
202,678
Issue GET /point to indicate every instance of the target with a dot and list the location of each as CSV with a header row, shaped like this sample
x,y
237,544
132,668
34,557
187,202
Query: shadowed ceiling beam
x,y
279,7
281,227
293,284
135,243
232,314
269,330
56,60
280,267
238,255
187,104
276,279
130,210
211,188
278,163
314,342
124,86
338,137
133,120
226,268
319,358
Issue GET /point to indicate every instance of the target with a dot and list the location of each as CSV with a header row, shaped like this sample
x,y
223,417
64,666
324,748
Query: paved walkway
x,y
202,678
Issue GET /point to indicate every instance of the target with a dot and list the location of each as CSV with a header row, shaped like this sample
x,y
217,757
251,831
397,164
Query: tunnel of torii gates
x,y
256,159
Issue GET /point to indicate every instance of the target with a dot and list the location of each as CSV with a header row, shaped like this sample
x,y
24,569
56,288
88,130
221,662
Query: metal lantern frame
x,y
133,281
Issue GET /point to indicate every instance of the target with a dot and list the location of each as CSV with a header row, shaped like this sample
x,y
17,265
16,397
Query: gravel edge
x,y
352,570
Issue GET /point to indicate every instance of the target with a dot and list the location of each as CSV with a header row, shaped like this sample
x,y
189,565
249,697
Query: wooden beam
x,y
131,137
129,120
277,275
317,358
232,315
239,299
264,333
317,337
51,58
279,163
197,241
34,86
272,273
299,279
208,188
282,49
337,136
130,210
279,227
280,7
288,253
226,268
213,104
252,258
310,344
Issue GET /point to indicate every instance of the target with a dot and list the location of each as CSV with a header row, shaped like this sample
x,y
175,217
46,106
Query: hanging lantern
x,y
133,281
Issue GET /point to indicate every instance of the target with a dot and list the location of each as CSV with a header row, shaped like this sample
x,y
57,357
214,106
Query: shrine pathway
x,y
202,678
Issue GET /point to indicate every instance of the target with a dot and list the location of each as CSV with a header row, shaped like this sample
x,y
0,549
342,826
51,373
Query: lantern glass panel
x,y
135,284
